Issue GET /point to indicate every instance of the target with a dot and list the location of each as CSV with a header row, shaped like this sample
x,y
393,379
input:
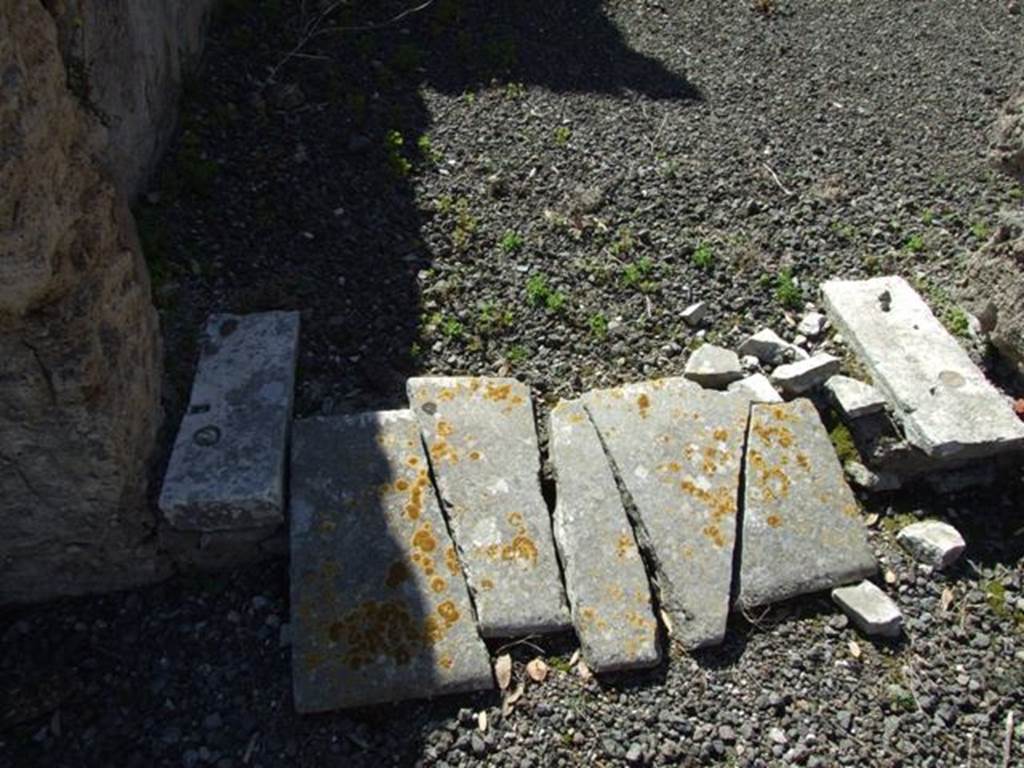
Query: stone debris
x,y
770,348
812,325
853,398
870,480
871,610
933,542
804,375
757,388
714,367
694,314
227,467
801,525
482,444
379,607
946,405
604,572
677,450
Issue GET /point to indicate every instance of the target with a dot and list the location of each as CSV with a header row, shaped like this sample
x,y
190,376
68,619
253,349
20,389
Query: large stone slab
x,y
482,443
801,526
604,572
380,610
678,450
946,405
227,467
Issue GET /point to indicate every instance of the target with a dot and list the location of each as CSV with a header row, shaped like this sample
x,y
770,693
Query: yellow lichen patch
x,y
576,418
451,561
781,414
769,435
497,392
401,485
721,435
397,573
446,661
444,429
412,461
515,518
624,545
803,461
643,402
671,466
720,502
850,510
446,394
774,521
713,533
486,584
374,629
424,539
438,584
474,455
521,548
412,511
448,612
441,451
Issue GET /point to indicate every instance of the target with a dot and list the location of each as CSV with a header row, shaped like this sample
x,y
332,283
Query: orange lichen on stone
x,y
643,403
444,429
774,521
424,539
713,533
521,548
451,561
448,612
446,394
412,461
446,661
624,545
720,502
721,434
772,434
441,451
486,584
438,584
497,392
781,414
375,629
401,485
474,456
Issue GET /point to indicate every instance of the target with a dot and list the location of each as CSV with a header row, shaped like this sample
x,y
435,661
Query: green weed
x,y
787,292
562,135
511,242
704,256
540,294
598,325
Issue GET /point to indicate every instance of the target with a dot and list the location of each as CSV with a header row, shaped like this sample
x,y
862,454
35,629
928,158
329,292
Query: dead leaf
x,y
481,721
574,658
584,671
537,670
872,520
503,670
946,600
511,698
890,576
855,651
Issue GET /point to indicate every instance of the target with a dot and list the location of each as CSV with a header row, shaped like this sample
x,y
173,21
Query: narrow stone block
x,y
227,466
482,442
946,405
604,572
379,606
678,449
801,526
871,610
804,375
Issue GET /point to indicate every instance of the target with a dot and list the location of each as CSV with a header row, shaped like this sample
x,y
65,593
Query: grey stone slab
x,y
714,367
482,442
677,449
801,526
946,405
872,611
853,398
757,388
604,572
227,467
379,606
804,375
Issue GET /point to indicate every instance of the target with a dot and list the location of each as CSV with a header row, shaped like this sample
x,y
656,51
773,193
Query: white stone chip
x,y
757,387
854,398
770,348
713,367
804,375
812,325
933,542
870,609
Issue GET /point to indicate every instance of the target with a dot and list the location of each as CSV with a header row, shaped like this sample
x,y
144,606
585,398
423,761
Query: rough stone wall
x,y
128,59
79,382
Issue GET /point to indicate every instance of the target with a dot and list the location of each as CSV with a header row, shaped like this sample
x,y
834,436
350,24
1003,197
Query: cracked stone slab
x,y
801,526
677,450
227,467
946,405
380,610
604,572
482,443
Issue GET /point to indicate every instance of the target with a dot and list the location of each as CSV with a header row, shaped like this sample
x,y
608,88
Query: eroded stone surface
x,y
946,405
483,449
227,468
678,449
854,398
604,573
380,610
801,526
872,611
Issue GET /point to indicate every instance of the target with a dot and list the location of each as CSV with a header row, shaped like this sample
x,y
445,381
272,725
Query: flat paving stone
x,y
482,443
678,450
227,467
946,405
380,610
604,572
801,526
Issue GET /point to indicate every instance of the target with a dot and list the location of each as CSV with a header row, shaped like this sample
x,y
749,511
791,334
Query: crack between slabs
x,y
741,497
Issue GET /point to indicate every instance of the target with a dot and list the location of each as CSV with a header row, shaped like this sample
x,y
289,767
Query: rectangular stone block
x,y
678,450
482,443
227,466
604,572
947,407
801,526
379,606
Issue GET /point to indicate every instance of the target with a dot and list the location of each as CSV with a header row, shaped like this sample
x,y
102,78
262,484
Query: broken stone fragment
x,y
870,480
871,610
854,398
932,542
803,376
694,314
713,367
757,387
770,348
812,325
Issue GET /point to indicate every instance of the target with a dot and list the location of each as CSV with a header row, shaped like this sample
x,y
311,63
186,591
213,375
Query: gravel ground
x,y
589,169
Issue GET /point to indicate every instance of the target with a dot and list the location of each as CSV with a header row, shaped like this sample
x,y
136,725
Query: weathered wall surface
x,y
128,59
81,121
1008,138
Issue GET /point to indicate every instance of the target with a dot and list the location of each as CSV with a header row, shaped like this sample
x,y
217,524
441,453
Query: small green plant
x,y
451,328
516,354
928,217
704,256
427,150
398,163
416,351
637,275
842,441
598,325
465,225
914,244
540,294
872,264
511,242
958,322
562,135
787,292
995,596
623,242
900,699
493,318
515,91
895,522
980,230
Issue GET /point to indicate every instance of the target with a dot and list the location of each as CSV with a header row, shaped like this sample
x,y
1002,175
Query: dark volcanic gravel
x,y
540,189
